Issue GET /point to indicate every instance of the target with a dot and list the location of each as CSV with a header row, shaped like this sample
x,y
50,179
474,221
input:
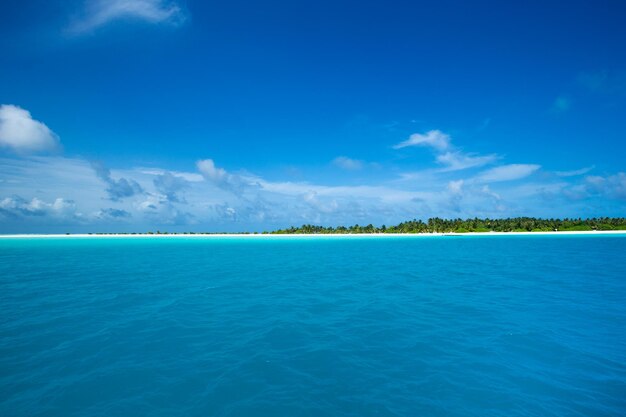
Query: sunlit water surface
x,y
357,326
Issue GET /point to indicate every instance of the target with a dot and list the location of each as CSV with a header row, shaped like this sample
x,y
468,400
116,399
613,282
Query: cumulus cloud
x,y
596,187
507,172
456,187
324,206
112,214
160,210
455,190
98,13
613,186
348,164
216,199
435,139
17,206
117,189
212,173
22,134
170,185
219,177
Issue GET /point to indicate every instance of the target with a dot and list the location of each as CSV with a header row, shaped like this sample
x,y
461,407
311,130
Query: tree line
x,y
439,225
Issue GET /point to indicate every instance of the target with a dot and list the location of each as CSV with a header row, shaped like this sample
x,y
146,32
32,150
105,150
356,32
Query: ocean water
x,y
356,326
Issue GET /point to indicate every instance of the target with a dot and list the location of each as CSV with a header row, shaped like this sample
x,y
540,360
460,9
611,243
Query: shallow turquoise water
x,y
406,326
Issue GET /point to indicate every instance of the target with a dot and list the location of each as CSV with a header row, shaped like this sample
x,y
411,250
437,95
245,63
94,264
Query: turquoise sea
x,y
297,326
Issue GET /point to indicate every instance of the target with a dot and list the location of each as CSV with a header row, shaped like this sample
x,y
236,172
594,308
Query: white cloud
x,y
455,187
348,163
455,190
240,201
170,185
212,173
234,183
187,176
19,207
158,209
117,189
455,161
380,193
324,206
433,138
98,13
613,186
575,172
507,172
22,134
447,155
597,187
109,214
487,191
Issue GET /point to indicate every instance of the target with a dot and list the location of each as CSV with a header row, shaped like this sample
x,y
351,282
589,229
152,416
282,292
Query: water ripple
x,y
524,326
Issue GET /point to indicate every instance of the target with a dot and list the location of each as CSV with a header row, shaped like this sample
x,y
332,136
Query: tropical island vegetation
x,y
476,225
439,225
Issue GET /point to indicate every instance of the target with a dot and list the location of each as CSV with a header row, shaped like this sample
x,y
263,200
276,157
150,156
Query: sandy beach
x,y
335,235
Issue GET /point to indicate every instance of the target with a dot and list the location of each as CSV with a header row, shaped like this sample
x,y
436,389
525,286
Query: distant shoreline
x,y
260,235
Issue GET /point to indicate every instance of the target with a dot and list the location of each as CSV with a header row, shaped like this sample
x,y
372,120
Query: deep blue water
x,y
400,326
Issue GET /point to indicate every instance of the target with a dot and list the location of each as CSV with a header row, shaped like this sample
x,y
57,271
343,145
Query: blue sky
x,y
134,115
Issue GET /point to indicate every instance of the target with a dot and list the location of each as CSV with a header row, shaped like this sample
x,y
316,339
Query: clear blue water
x,y
406,326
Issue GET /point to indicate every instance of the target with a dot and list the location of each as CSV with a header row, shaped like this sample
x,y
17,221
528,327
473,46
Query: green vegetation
x,y
437,225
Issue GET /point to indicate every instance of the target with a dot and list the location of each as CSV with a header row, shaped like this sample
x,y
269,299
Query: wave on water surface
x,y
506,326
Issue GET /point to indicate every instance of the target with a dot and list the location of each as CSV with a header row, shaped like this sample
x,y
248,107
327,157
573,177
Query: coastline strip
x,y
348,235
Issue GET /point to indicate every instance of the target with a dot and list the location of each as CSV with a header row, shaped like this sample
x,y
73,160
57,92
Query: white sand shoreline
x,y
336,235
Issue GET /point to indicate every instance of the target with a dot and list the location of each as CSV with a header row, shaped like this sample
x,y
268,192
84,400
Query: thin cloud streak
x,y
507,173
456,161
98,13
348,164
435,139
575,172
447,155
